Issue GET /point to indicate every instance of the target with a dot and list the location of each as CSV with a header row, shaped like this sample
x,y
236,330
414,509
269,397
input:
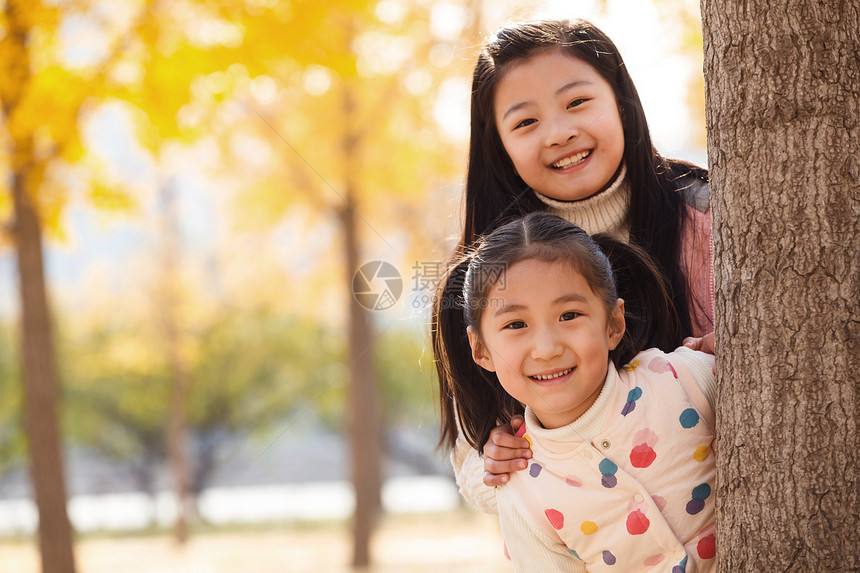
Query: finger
x,y
510,441
503,454
503,430
517,422
499,467
493,480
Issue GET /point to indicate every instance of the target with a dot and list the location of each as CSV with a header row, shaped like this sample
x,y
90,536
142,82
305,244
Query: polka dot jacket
x,y
637,496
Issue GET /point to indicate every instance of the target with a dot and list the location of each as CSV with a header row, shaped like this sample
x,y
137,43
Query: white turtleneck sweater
x,y
601,213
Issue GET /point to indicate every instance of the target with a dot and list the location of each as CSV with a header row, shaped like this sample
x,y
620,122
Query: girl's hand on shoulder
x,y
703,344
505,452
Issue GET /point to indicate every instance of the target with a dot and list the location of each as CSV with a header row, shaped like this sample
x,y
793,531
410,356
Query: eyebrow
x,y
559,91
565,298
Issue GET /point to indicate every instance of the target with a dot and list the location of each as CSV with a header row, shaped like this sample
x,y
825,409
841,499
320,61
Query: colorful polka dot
x,y
608,557
575,554
643,454
701,453
660,365
573,481
632,396
707,547
632,366
637,523
607,469
535,469
588,527
700,493
653,560
689,418
555,517
680,567
660,502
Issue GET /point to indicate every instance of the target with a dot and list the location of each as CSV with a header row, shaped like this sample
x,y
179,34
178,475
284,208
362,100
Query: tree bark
x,y
40,389
783,120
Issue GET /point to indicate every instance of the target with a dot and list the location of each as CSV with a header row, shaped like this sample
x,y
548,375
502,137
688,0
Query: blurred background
x,y
223,222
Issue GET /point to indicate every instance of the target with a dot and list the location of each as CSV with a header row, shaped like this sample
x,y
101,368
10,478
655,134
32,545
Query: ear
x,y
479,351
616,325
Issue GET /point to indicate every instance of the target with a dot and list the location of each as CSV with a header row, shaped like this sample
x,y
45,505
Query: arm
x,y
529,548
701,367
503,453
469,471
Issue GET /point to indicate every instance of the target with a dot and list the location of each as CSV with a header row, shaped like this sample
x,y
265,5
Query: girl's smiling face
x,y
547,336
560,124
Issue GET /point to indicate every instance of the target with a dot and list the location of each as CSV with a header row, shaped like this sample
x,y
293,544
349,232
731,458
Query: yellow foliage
x,y
51,107
110,198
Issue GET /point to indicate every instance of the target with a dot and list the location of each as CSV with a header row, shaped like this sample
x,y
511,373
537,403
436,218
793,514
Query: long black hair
x,y
495,192
612,269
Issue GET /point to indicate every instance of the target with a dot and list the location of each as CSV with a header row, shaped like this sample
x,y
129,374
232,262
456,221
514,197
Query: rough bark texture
x,y
783,118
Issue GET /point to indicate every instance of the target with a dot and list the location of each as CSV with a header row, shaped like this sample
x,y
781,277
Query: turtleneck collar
x,y
601,213
586,427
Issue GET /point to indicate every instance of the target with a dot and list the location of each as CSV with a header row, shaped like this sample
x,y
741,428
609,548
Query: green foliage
x,y
12,444
404,366
116,390
255,366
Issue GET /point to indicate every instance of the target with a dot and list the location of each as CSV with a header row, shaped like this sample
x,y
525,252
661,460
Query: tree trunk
x,y
783,119
177,425
365,425
37,344
40,389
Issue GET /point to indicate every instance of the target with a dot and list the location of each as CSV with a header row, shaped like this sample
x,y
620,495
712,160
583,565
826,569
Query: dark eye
x,y
516,325
569,316
576,102
525,123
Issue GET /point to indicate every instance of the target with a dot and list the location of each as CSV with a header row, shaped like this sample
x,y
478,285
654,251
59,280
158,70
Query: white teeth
x,y
572,160
552,376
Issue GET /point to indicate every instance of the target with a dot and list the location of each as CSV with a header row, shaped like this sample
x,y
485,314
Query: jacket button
x,y
639,498
605,444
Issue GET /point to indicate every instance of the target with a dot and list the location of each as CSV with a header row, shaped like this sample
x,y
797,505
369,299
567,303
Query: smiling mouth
x,y
551,376
571,160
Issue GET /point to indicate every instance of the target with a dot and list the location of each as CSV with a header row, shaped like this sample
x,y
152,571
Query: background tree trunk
x,y
177,424
365,424
40,389
38,364
783,119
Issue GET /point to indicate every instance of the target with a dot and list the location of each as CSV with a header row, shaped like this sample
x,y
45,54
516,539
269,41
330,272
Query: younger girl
x,y
622,470
557,126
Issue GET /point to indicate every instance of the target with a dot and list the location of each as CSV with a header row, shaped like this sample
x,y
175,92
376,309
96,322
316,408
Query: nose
x,y
546,345
561,129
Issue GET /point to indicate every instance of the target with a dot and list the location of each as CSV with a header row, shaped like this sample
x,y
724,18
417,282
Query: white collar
x,y
605,212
